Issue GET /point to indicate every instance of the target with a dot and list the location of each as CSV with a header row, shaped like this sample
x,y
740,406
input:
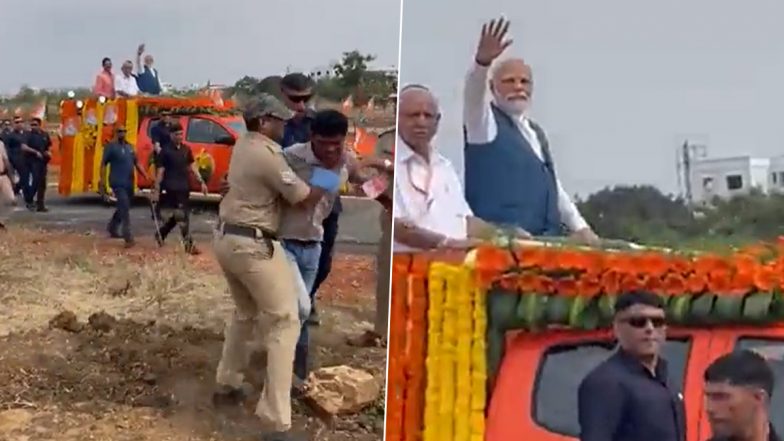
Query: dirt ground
x,y
102,343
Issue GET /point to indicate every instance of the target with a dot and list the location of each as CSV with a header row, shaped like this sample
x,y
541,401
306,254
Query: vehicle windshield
x,y
773,351
238,126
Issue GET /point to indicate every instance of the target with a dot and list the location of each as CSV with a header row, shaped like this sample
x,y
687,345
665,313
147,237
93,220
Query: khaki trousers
x,y
383,261
264,294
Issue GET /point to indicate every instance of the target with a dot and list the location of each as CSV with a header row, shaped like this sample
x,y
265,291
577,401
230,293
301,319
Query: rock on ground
x,y
341,389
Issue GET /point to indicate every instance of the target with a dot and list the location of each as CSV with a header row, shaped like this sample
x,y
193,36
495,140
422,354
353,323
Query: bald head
x,y
512,84
418,117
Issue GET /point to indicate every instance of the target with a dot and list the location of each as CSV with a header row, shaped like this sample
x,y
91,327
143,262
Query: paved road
x,y
359,227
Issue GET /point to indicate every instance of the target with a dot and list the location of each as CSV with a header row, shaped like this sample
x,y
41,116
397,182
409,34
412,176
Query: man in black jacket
x,y
738,390
629,397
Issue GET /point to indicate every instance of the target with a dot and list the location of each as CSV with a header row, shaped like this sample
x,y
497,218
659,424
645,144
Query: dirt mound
x,y
111,366
119,361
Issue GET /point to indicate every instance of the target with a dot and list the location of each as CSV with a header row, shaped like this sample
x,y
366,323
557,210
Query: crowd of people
x,y
25,152
280,216
144,80
278,219
511,184
278,223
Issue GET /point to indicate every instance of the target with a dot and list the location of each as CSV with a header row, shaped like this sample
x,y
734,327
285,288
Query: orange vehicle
x,y
535,393
210,129
493,345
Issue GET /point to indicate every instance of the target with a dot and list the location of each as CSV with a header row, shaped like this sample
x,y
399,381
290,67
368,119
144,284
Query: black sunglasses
x,y
299,98
641,322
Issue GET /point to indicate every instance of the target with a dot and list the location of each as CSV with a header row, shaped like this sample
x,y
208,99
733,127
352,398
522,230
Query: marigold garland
x,y
443,324
587,273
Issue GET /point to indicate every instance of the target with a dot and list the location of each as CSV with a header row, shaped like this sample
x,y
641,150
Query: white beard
x,y
512,107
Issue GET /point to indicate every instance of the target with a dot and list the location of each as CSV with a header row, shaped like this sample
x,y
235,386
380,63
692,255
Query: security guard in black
x,y
36,161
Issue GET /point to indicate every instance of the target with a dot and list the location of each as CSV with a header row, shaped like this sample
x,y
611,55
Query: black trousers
x,y
330,225
121,219
18,163
33,181
177,203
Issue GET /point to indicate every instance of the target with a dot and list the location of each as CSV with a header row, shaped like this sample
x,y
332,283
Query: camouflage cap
x,y
265,105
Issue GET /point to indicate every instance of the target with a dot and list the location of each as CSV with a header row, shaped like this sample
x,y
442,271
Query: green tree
x,y
352,68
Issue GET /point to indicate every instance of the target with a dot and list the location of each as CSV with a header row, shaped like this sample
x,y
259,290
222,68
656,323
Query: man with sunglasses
x,y
629,396
297,91
738,390
36,158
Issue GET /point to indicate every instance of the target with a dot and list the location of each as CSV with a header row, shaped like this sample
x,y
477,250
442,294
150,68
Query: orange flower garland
x,y
569,272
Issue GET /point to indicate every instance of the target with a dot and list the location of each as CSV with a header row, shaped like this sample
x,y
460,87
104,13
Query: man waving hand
x,y
509,172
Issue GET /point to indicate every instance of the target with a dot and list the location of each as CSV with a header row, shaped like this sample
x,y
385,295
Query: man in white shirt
x,y
510,176
125,82
430,210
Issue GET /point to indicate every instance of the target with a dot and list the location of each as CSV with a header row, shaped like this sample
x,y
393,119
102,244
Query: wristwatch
x,y
388,164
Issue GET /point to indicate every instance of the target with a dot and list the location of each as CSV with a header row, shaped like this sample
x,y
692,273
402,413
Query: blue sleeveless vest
x,y
148,83
506,183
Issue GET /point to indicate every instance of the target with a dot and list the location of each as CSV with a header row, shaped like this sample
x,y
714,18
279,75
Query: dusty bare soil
x,y
100,343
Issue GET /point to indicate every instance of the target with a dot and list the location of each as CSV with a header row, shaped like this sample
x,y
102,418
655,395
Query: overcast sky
x,y
59,43
619,83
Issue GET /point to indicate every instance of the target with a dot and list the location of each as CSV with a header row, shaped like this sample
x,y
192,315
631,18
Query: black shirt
x,y
161,134
14,141
297,130
621,400
38,140
176,162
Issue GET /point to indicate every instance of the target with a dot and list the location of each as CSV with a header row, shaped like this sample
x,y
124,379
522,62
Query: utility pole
x,y
687,153
687,172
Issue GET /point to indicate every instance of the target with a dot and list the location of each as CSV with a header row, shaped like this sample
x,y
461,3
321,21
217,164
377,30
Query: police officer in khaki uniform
x,y
384,154
254,262
385,148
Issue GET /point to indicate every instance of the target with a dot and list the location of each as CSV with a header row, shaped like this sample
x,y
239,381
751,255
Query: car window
x,y
238,126
773,350
563,368
205,131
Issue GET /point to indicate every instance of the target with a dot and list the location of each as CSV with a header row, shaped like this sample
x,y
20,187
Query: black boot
x,y
231,396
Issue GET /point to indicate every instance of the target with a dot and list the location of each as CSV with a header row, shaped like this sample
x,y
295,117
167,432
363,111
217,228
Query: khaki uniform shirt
x,y
261,182
385,148
306,223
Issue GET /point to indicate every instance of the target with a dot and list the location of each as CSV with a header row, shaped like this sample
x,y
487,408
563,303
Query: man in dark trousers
x,y
174,165
738,391
36,150
629,396
160,135
15,144
122,160
297,91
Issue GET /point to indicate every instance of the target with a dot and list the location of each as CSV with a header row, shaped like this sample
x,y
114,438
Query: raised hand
x,y
140,49
492,42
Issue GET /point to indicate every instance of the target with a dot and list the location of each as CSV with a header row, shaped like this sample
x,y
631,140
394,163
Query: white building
x,y
776,174
728,177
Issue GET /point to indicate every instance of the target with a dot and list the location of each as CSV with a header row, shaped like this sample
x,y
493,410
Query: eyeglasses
x,y
299,98
641,322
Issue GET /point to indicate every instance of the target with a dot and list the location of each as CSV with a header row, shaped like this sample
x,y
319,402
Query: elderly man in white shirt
x,y
125,82
430,209
510,176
